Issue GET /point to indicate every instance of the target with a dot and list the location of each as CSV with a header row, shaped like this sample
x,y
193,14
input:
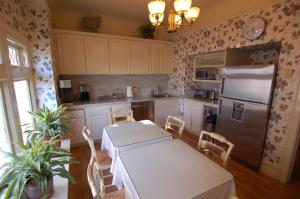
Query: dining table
x,y
171,170
129,135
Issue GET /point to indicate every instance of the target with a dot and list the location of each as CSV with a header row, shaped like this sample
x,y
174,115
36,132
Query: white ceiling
x,y
132,9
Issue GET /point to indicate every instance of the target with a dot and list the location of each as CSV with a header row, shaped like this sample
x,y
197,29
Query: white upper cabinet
x,y
155,58
119,56
161,58
71,54
87,53
167,59
96,54
139,57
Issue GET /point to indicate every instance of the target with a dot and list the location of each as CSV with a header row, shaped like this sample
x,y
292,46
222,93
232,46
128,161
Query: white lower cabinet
x,y
193,116
96,125
165,107
94,117
75,127
97,117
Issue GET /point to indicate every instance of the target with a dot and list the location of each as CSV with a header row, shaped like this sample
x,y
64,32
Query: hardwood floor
x,y
249,184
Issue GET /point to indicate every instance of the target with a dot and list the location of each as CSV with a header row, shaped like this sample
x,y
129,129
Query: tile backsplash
x,y
101,85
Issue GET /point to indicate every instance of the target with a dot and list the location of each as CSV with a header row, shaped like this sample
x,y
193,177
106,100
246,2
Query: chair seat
x,y
116,195
102,154
106,172
104,160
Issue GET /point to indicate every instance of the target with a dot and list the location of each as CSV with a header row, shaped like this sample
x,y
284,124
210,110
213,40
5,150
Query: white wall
x,y
69,19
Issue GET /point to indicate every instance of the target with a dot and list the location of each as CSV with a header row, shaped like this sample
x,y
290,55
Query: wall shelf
x,y
208,81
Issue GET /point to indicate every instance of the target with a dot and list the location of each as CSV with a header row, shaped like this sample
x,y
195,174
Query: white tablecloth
x,y
129,135
171,169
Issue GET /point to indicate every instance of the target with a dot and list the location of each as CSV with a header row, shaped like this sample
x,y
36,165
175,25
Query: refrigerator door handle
x,y
222,85
220,106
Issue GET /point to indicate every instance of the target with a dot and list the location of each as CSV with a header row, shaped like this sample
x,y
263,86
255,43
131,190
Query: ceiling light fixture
x,y
176,17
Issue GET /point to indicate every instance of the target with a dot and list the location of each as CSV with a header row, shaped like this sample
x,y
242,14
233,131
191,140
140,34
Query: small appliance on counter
x,y
200,93
66,91
206,94
84,93
129,92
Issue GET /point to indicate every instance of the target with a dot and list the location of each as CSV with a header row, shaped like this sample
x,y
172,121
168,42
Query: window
x,y
24,103
17,55
4,139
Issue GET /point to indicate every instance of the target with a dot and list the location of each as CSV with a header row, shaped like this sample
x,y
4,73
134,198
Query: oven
x,y
143,110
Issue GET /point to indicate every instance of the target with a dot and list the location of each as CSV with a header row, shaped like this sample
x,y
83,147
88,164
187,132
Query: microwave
x,y
205,74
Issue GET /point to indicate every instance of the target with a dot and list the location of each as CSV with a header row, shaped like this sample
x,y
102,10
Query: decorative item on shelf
x,y
49,124
147,31
90,24
31,170
176,17
254,28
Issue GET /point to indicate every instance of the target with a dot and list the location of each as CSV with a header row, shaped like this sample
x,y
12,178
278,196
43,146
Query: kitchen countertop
x,y
116,101
207,102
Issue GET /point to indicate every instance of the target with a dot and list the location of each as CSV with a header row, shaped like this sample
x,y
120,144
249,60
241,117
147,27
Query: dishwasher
x,y
143,110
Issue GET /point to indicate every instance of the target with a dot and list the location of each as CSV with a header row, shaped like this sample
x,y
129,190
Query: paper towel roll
x,y
129,91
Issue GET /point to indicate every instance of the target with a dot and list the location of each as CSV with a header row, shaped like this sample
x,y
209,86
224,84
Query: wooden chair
x,y
99,189
175,125
121,116
102,159
215,145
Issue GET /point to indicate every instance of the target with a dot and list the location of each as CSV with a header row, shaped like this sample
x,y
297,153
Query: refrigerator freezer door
x,y
250,83
244,124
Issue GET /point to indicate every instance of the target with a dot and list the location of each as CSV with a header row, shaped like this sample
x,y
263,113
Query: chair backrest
x,y
95,180
89,138
215,144
121,116
175,124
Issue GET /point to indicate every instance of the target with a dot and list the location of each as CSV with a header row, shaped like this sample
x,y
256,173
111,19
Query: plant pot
x,y
33,192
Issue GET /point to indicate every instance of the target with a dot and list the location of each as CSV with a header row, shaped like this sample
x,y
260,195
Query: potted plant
x,y
48,123
147,31
32,170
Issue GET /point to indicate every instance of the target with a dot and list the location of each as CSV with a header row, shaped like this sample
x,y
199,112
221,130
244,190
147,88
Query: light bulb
x,y
156,20
182,6
178,20
156,7
192,14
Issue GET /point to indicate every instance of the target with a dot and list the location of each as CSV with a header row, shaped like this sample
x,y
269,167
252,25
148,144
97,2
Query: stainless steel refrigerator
x,y
244,106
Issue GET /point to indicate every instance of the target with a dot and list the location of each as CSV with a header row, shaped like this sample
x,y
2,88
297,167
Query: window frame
x,y
9,74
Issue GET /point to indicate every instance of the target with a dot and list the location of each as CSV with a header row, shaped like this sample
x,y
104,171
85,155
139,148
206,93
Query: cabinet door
x,y
160,117
71,54
139,57
121,106
119,56
167,59
155,58
196,122
187,117
74,133
172,111
96,125
96,54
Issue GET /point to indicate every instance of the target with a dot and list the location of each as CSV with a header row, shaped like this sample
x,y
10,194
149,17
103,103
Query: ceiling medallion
x,y
182,10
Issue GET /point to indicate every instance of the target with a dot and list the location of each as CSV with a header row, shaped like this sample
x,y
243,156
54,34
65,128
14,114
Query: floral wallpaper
x,y
282,25
40,36
35,23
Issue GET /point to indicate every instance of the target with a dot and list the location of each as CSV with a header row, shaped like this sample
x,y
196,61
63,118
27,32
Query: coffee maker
x,y
84,93
66,91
